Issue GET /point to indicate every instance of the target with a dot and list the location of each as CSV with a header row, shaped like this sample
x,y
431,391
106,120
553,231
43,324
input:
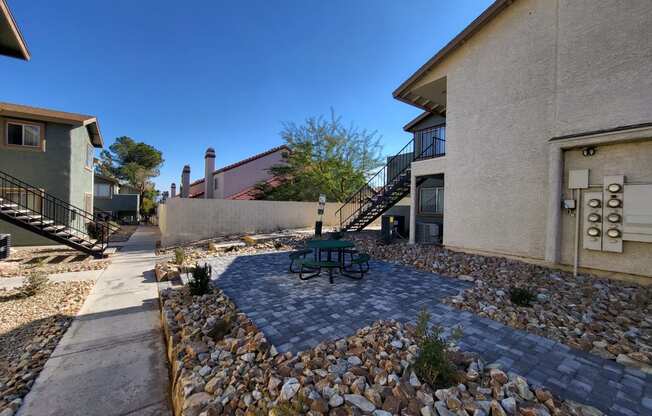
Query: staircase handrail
x,y
105,228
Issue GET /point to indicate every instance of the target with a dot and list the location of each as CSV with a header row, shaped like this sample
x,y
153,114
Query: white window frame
x,y
24,124
439,209
90,151
97,185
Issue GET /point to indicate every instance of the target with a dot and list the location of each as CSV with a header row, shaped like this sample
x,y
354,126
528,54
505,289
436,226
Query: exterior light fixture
x,y
614,203
613,217
613,233
594,203
588,151
593,232
614,188
593,217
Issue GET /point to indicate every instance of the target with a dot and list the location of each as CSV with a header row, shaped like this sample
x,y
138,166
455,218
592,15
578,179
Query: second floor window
x,y
90,153
102,190
23,134
432,141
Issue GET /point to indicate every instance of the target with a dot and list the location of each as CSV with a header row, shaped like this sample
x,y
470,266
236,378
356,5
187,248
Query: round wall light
x,y
614,203
594,203
614,188
613,233
593,232
593,217
613,217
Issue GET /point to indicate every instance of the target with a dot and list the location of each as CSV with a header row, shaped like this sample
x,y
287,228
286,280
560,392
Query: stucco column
x,y
209,168
413,208
173,190
185,182
553,219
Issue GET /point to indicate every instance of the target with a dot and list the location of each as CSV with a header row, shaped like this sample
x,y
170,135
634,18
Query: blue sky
x,y
184,76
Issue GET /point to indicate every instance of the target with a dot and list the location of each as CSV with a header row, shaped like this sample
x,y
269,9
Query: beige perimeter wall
x,y
184,219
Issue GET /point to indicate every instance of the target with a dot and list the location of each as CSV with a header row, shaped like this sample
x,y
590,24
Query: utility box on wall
x,y
637,204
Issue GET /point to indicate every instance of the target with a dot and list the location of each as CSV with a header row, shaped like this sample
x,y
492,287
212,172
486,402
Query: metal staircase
x,y
30,208
388,186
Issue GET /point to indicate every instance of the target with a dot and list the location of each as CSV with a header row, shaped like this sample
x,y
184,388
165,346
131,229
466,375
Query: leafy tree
x,y
135,163
325,157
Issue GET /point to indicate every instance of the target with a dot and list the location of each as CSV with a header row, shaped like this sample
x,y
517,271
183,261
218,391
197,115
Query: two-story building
x,y
116,201
545,107
49,150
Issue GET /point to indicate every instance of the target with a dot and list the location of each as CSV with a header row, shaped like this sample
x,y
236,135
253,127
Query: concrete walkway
x,y
111,361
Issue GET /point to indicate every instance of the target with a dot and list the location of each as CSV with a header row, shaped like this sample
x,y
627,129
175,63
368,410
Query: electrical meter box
x,y
592,230
578,179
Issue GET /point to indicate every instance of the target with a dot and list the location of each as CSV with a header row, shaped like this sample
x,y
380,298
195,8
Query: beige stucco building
x,y
531,90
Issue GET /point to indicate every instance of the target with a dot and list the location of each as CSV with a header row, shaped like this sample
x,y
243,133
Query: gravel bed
x,y
610,318
222,364
50,260
30,328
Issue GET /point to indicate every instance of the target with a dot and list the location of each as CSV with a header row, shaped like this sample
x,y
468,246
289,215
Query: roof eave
x,y
19,48
93,128
492,11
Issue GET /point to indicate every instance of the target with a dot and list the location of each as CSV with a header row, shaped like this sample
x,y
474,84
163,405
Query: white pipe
x,y
578,212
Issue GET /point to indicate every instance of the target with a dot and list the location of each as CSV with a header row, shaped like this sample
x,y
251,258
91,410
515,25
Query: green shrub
x,y
520,296
179,256
97,230
34,283
433,364
201,279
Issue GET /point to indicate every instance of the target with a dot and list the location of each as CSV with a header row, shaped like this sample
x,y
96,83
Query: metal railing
x,y
52,215
390,177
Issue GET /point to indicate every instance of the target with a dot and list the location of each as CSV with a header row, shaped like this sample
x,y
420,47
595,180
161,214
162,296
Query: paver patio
x,y
296,315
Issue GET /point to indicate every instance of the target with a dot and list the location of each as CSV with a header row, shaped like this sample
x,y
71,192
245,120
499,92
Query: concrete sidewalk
x,y
111,361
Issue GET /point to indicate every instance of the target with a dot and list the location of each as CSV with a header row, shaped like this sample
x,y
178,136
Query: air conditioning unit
x,y
428,233
5,244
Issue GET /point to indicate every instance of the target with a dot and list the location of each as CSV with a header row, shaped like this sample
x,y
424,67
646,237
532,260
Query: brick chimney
x,y
185,182
209,168
173,190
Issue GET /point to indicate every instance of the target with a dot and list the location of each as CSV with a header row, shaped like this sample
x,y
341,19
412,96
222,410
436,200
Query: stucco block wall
x,y
185,219
634,160
542,68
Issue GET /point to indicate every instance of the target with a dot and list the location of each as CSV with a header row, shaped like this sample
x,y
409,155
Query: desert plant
x,y
179,256
520,296
199,283
433,364
97,230
34,283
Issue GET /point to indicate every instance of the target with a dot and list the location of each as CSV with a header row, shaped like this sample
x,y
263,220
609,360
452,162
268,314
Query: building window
x,y
90,154
432,142
103,190
214,183
23,134
431,200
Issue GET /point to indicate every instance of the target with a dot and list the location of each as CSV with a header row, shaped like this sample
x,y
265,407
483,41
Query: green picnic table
x,y
329,246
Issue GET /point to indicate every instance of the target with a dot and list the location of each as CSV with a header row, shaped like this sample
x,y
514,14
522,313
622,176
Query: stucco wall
x,y
81,178
540,69
237,179
185,219
49,170
634,160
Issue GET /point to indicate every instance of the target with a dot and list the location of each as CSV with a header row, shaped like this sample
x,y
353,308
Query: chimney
x,y
173,190
209,168
185,182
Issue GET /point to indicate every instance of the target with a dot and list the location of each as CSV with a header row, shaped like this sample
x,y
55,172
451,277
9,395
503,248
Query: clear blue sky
x,y
183,76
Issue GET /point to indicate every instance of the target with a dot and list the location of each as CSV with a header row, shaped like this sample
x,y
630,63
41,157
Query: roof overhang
x,y
41,114
425,99
12,42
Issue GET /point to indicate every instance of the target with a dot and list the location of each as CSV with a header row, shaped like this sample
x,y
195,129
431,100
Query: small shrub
x,y
179,256
433,364
35,283
201,278
521,297
96,230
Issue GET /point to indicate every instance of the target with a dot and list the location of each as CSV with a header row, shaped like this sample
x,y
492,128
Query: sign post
x,y
320,215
